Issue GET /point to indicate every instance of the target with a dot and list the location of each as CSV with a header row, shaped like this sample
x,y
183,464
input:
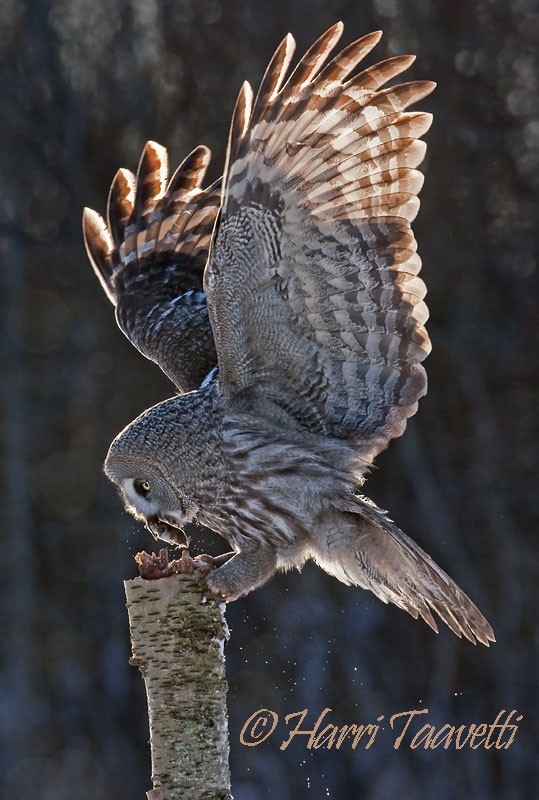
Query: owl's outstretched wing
x,y
312,286
150,257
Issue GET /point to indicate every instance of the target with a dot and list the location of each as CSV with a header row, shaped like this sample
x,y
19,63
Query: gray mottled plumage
x,y
317,315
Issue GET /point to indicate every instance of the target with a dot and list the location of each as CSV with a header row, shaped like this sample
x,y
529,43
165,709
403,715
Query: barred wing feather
x,y
150,255
312,286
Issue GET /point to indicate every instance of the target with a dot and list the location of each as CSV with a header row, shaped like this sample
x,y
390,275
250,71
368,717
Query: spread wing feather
x,y
150,255
312,284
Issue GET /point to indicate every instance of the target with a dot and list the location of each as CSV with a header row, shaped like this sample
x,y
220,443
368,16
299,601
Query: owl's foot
x,y
223,586
242,573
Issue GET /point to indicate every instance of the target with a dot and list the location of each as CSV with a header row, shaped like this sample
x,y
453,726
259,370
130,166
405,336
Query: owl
x,y
284,303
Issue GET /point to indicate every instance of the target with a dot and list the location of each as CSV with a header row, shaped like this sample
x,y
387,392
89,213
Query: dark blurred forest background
x,y
84,84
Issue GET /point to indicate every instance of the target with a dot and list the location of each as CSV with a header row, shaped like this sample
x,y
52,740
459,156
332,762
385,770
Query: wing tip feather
x,y
239,125
151,179
190,173
99,246
120,203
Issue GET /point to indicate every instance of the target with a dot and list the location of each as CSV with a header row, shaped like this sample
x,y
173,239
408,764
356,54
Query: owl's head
x,y
151,497
166,460
155,482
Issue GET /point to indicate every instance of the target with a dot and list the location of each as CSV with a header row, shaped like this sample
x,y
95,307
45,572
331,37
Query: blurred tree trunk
x,y
178,638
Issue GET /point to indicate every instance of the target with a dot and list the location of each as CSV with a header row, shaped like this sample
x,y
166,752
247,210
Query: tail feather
x,y
361,546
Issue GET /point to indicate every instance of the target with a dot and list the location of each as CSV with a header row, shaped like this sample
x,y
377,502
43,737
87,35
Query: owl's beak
x,y
167,530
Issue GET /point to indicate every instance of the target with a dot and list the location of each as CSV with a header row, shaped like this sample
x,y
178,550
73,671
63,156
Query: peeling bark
x,y
178,635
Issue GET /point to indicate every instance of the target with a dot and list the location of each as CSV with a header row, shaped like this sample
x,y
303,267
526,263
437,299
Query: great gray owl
x,y
284,303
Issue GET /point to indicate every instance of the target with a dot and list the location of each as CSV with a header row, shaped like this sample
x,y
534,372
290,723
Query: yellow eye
x,y
141,487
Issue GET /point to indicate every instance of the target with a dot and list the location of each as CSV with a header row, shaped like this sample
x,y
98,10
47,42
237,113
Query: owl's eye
x,y
141,486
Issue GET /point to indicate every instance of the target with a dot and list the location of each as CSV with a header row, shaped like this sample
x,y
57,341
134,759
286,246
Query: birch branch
x,y
177,637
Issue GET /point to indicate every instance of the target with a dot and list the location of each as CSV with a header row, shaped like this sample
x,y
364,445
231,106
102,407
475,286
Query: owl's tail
x,y
361,546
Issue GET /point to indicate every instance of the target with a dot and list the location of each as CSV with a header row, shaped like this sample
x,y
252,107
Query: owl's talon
x,y
214,561
221,587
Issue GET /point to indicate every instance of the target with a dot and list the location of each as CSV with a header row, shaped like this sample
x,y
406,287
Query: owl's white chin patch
x,y
142,510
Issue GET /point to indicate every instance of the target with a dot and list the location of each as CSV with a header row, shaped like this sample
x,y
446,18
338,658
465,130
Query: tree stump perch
x,y
178,634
